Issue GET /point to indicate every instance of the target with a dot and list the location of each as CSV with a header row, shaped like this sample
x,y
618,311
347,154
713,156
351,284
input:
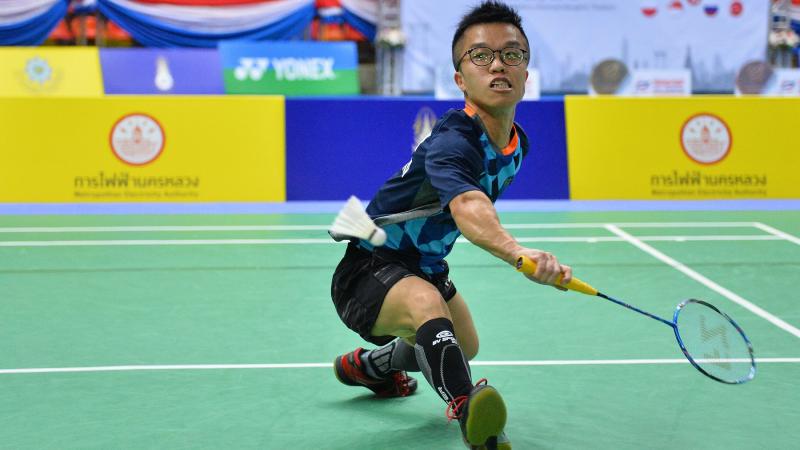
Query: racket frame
x,y
750,375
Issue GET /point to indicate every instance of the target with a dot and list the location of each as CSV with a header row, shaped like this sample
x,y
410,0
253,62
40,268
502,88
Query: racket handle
x,y
528,267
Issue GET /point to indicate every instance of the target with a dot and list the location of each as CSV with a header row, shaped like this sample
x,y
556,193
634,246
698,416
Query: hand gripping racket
x,y
709,338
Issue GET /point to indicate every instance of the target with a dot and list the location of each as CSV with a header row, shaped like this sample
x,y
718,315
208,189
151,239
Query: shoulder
x,y
455,131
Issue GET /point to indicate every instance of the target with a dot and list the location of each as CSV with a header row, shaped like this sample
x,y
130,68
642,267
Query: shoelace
x,y
453,410
401,381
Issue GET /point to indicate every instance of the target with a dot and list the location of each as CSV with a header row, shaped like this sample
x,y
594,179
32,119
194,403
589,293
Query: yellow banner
x,y
154,149
704,147
70,71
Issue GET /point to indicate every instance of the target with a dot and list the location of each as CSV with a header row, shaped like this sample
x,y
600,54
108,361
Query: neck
x,y
497,123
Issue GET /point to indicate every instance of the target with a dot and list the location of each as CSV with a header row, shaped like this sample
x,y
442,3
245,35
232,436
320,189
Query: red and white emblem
x,y
706,138
137,139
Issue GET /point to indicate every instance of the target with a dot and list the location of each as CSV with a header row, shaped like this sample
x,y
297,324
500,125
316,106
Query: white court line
x,y
705,281
510,226
162,228
573,362
277,241
147,242
777,232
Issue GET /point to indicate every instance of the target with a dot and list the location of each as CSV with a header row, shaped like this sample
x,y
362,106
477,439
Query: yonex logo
x,y
252,68
286,69
443,334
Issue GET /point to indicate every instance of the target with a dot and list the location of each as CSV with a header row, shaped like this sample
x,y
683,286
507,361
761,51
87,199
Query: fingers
x,y
567,271
550,271
547,268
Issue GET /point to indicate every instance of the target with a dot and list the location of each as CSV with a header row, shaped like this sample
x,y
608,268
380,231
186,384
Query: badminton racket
x,y
712,342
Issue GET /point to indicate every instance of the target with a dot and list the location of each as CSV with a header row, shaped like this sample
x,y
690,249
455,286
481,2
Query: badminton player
x,y
399,296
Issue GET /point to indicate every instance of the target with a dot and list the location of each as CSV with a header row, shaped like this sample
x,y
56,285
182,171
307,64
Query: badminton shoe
x,y
349,370
482,417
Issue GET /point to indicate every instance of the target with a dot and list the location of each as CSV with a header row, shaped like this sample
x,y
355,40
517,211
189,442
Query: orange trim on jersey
x,y
468,109
512,146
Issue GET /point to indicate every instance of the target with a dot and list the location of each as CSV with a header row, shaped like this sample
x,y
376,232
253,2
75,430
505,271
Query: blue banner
x,y
361,142
161,71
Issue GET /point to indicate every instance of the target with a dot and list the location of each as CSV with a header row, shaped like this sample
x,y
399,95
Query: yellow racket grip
x,y
528,267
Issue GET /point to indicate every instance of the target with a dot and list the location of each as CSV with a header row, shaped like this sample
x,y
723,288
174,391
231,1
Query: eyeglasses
x,y
483,56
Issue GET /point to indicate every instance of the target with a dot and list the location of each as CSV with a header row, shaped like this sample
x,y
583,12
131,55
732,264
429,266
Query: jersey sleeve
x,y
454,165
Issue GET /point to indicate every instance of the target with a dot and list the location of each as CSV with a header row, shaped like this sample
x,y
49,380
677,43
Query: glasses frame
x,y
525,56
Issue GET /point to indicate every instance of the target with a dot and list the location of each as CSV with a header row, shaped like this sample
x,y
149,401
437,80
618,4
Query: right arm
x,y
477,220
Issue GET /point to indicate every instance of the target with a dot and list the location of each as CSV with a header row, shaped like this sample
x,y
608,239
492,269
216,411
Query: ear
x,y
458,77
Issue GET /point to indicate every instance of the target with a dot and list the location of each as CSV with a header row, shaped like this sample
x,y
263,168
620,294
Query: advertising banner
x,y
711,38
363,141
48,71
161,71
153,149
682,148
290,68
642,83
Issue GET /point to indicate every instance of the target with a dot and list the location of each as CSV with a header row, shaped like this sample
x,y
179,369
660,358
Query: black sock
x,y
396,355
441,359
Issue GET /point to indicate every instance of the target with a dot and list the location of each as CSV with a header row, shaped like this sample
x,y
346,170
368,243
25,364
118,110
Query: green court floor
x,y
217,331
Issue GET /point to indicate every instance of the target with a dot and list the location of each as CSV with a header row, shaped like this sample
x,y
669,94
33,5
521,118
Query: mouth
x,y
500,84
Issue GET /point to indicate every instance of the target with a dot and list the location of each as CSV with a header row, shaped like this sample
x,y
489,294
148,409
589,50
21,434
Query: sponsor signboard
x,y
682,148
161,71
136,148
354,150
48,71
290,68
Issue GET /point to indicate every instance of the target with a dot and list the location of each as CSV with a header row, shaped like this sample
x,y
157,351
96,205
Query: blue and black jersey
x,y
412,206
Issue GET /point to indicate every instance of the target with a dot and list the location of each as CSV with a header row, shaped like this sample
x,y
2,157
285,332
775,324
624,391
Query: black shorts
x,y
363,278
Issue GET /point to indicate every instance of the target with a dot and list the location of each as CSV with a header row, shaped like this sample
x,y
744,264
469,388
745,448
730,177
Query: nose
x,y
497,65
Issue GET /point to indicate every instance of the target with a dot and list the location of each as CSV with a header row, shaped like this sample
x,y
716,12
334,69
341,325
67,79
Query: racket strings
x,y
714,343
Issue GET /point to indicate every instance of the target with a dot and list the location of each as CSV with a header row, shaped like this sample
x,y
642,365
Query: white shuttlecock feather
x,y
353,221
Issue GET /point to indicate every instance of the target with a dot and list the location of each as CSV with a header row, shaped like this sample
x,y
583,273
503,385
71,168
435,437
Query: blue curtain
x,y
153,33
33,31
362,26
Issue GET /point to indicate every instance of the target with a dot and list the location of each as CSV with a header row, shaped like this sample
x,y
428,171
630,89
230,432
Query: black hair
x,y
487,12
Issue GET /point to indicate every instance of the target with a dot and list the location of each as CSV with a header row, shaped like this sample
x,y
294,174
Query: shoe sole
x,y
487,416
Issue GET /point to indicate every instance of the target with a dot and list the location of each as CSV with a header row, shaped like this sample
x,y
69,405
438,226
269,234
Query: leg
x,y
465,328
410,303
400,354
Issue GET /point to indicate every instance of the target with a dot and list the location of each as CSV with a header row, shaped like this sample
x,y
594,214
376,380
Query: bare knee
x,y
427,305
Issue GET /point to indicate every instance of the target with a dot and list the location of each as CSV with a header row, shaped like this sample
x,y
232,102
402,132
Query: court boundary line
x,y
693,274
567,362
777,232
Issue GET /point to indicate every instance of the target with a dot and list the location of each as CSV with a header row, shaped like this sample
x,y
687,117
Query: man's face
x,y
497,85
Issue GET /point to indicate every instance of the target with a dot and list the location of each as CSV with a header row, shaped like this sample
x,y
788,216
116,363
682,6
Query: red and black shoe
x,y
482,416
349,370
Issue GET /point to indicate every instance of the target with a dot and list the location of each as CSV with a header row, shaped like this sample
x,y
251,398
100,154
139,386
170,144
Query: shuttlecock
x,y
353,221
